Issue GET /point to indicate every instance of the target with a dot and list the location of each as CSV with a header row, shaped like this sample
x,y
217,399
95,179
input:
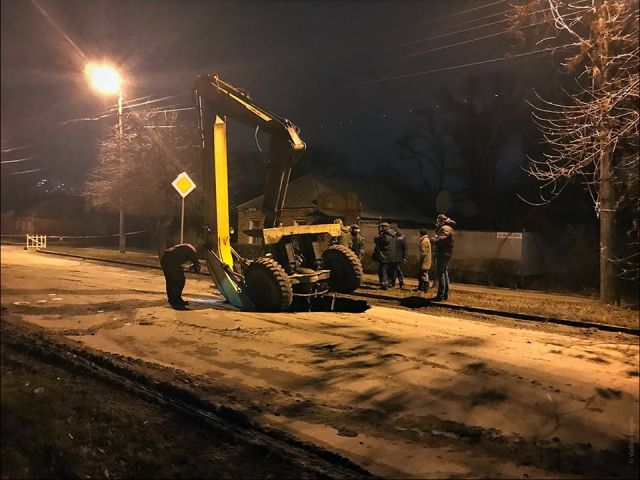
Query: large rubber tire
x,y
345,266
268,285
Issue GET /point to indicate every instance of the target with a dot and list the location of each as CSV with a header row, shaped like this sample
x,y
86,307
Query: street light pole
x,y
122,243
106,79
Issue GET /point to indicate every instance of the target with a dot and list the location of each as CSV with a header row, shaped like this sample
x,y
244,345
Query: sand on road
x,y
401,393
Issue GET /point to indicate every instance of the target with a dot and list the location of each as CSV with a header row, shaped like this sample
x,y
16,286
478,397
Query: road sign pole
x,y
182,223
184,186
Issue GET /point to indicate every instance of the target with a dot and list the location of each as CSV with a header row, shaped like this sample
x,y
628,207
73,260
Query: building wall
x,y
515,253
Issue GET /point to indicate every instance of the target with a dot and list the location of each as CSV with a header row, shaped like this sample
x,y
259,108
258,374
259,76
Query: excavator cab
x,y
297,260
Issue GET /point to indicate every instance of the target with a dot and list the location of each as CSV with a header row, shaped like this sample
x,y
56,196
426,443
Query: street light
x,y
106,80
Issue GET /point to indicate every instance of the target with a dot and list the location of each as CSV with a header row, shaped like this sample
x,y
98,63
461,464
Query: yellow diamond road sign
x,y
183,184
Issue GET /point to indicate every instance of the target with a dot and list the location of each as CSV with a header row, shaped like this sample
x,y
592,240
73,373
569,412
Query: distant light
x,y
104,78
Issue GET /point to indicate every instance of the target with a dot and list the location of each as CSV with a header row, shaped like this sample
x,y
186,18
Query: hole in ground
x,y
323,304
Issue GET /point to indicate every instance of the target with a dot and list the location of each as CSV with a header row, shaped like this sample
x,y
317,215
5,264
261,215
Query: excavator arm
x,y
221,99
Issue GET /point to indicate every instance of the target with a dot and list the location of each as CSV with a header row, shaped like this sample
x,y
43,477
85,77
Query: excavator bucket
x,y
227,282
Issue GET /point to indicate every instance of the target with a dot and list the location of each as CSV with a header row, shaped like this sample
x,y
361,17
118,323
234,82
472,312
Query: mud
x,y
401,393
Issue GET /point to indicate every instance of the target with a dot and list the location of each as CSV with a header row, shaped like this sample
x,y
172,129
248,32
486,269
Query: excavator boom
x,y
222,99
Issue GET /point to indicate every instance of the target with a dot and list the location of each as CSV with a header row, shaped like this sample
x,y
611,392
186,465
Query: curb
x,y
452,306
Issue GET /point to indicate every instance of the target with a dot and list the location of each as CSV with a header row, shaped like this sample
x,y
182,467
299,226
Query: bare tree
x,y
427,147
465,136
592,133
140,166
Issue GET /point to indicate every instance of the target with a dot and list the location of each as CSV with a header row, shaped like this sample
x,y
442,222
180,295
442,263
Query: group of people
x,y
391,251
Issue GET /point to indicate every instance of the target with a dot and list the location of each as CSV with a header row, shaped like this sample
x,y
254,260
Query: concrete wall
x,y
485,253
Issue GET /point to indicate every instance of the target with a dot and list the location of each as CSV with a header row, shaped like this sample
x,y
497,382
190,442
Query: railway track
x,y
421,303
118,371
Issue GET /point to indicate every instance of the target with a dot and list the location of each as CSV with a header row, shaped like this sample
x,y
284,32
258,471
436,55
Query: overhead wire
x,y
484,25
23,172
455,67
21,147
466,11
465,42
16,160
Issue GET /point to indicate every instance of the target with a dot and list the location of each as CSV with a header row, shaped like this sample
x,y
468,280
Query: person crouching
x,y
171,262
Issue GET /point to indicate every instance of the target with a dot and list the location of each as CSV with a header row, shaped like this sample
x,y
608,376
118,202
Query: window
x,y
253,224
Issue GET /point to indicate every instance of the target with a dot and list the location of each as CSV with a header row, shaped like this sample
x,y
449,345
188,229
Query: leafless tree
x,y
593,133
140,166
427,147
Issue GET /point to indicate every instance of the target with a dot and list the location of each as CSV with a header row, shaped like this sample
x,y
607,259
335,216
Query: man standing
x,y
345,236
424,261
384,253
443,243
400,256
171,261
357,241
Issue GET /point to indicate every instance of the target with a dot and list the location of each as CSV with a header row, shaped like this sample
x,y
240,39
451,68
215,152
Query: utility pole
x,y
122,243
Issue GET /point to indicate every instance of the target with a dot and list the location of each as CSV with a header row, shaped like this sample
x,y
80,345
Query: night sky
x,y
315,63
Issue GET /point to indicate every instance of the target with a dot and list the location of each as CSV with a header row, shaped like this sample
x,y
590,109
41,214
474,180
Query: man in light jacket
x,y
424,261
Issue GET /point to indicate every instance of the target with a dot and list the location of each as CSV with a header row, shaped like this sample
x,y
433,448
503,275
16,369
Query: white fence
x,y
36,241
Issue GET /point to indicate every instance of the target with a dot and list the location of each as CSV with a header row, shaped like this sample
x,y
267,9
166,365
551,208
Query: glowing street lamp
x,y
106,80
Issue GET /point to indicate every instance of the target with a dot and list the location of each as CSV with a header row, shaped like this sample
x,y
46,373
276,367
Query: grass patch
x,y
57,423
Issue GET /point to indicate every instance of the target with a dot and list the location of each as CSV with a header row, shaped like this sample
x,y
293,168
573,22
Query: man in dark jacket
x,y
357,241
443,244
400,256
171,261
384,253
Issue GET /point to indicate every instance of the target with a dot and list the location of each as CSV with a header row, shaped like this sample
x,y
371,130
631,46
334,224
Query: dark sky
x,y
307,61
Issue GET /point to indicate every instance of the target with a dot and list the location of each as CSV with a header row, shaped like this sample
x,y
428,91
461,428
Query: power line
x,y
174,110
466,11
23,172
455,67
16,160
22,147
464,42
455,33
474,20
484,25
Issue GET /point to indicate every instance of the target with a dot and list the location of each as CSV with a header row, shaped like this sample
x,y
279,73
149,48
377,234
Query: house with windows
x,y
314,199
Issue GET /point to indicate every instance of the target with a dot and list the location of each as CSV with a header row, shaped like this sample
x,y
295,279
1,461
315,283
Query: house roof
x,y
377,200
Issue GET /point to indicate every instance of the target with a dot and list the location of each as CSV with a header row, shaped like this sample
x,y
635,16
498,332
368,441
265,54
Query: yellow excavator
x,y
298,260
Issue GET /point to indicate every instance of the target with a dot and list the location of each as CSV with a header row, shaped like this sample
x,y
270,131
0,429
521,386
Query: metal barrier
x,y
36,241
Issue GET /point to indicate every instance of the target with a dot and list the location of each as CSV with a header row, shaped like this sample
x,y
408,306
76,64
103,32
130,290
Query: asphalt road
x,y
401,393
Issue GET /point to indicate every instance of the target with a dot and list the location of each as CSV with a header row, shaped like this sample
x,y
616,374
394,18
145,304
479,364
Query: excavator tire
x,y
345,266
268,285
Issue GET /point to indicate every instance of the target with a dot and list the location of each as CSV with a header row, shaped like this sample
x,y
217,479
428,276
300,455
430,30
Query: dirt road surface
x,y
400,393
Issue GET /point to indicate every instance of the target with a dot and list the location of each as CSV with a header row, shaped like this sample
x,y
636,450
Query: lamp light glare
x,y
104,78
